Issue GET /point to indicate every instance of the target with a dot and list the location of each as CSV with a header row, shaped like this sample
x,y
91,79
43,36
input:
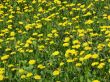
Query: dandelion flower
x,y
31,62
95,81
37,77
56,72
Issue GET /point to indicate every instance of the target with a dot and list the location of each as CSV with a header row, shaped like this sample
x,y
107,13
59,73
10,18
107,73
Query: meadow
x,y
54,40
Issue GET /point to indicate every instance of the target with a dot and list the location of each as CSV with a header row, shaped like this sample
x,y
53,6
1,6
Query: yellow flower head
x,y
78,64
29,74
21,71
101,65
40,66
89,22
1,77
95,81
4,57
37,77
23,76
55,53
56,72
95,56
31,62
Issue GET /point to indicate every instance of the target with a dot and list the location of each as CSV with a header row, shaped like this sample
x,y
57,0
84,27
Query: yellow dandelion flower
x,y
20,22
1,77
37,77
31,62
23,76
62,63
89,22
55,53
1,6
109,60
87,56
69,60
101,65
4,57
78,64
95,56
108,17
12,34
10,65
95,81
65,44
54,31
29,74
109,44
2,71
96,0
67,39
56,72
57,2
40,66
21,70
94,63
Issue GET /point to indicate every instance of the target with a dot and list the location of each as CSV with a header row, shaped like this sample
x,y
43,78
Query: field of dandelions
x,y
54,40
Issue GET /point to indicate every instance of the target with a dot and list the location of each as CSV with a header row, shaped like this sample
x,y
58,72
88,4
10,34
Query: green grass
x,y
35,30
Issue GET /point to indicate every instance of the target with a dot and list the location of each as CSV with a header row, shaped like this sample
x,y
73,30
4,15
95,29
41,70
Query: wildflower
x,y
21,71
69,60
95,56
20,22
87,48
39,25
101,65
109,60
11,16
23,76
56,72
89,22
10,65
76,46
62,63
1,40
54,31
82,52
58,81
95,63
57,2
28,26
87,14
55,53
66,44
37,77
78,64
51,42
96,0
41,47
109,44
109,17
12,34
31,62
29,74
2,70
40,66
71,52
95,81
67,39
33,2
87,56
56,35
1,77
4,57
1,6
